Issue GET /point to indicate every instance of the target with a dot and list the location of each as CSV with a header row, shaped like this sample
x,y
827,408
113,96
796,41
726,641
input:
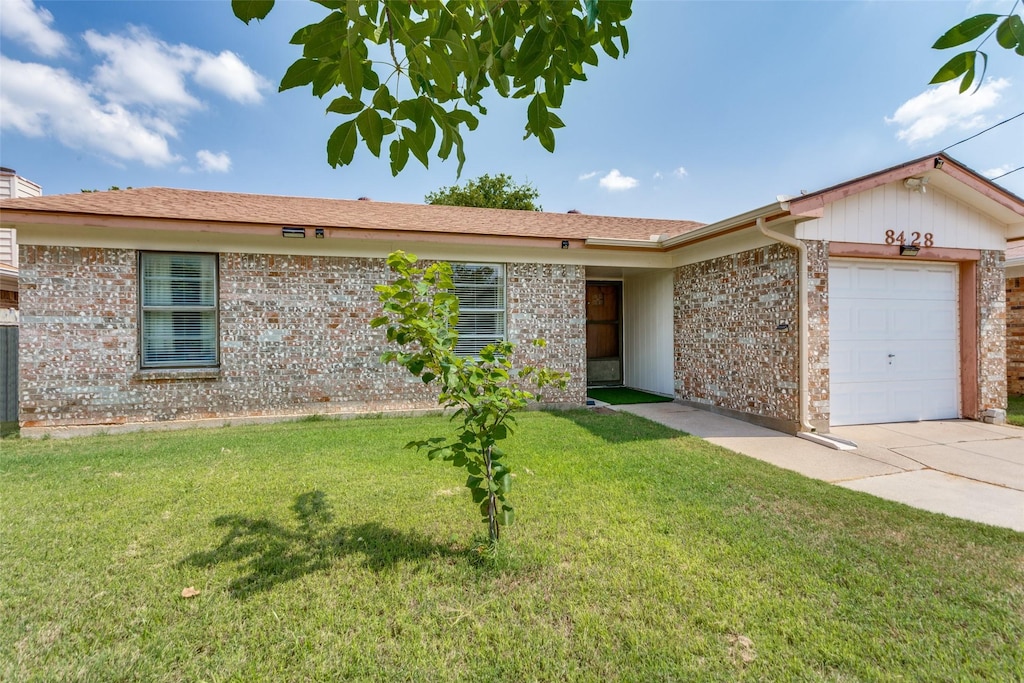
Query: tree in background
x,y
486,192
445,56
1009,35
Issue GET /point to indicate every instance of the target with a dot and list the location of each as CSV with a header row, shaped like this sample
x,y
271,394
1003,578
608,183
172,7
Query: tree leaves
x,y
448,55
1009,35
419,314
247,10
493,192
966,30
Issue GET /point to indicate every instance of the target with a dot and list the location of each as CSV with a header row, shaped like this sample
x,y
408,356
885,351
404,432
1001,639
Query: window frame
x,y
143,309
502,312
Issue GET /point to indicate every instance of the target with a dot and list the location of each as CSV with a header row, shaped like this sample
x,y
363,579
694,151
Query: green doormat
x,y
618,396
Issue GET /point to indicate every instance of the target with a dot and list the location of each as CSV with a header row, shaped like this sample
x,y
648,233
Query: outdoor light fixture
x,y
293,232
909,250
916,185
319,233
565,244
939,162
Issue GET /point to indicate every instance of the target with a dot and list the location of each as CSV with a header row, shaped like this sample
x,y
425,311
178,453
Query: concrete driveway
x,y
960,468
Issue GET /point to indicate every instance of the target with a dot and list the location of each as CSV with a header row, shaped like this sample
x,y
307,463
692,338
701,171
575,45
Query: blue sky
x,y
718,107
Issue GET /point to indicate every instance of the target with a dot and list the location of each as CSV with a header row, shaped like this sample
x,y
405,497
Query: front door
x,y
604,333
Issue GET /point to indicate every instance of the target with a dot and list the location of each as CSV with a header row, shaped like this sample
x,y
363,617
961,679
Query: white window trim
x,y
143,309
500,311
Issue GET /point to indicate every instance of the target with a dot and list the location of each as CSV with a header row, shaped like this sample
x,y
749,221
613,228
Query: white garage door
x,y
893,353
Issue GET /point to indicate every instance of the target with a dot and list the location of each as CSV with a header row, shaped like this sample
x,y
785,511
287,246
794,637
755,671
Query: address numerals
x,y
915,239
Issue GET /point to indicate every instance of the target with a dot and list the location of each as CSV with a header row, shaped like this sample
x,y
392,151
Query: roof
x,y
266,210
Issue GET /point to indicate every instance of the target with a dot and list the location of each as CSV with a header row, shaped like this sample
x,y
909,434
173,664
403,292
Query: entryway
x,y
604,333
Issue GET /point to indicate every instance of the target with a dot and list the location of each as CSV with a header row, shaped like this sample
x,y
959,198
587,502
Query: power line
x,y
984,131
1007,173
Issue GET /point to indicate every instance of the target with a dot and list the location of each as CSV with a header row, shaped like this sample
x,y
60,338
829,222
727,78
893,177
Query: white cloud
x,y
680,172
133,103
38,100
588,176
28,24
657,175
997,171
213,162
938,109
141,69
227,74
615,181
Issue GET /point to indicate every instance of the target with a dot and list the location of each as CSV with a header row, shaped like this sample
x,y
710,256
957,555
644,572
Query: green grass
x,y
324,551
618,396
1015,410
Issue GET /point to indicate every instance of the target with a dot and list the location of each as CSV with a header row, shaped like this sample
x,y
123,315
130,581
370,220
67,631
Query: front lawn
x,y
324,551
1015,410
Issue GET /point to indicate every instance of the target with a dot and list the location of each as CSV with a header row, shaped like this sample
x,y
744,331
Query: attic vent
x,y
365,199
576,211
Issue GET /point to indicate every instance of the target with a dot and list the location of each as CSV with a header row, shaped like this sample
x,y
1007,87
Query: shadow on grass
x,y
275,554
616,427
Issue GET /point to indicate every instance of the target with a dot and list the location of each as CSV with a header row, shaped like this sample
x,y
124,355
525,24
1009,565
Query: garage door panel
x,y
894,351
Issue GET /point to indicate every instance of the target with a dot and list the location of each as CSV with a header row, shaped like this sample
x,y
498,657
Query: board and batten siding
x,y
865,217
647,332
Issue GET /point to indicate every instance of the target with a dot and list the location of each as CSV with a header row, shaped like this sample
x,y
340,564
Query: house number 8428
x,y
916,238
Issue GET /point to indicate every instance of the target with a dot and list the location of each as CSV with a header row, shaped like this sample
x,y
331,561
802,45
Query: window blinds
x,y
179,310
480,289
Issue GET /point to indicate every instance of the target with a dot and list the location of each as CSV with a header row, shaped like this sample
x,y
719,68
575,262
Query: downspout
x,y
804,390
807,430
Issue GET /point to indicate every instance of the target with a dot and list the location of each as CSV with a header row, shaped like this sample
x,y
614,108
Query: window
x,y
480,288
179,310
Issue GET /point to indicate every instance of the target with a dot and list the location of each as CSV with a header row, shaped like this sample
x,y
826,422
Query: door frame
x,y
617,284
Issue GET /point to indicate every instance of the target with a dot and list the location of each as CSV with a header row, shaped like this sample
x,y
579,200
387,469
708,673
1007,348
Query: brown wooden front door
x,y
604,333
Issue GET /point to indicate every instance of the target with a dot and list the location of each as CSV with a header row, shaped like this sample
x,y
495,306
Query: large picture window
x,y
480,288
179,310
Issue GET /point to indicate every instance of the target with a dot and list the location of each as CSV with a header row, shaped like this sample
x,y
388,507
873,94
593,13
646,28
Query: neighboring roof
x,y
251,209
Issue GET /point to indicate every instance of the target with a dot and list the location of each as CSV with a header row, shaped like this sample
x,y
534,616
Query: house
x,y
880,299
11,185
1015,319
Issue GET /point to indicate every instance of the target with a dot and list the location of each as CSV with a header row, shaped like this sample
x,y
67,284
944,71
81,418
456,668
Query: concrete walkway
x,y
960,468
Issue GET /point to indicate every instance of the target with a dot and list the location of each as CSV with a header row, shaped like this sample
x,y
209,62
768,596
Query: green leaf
x,y
954,68
966,30
428,377
350,72
372,129
505,483
399,156
382,320
480,496
247,10
301,72
345,105
537,115
341,147
506,516
1010,33
415,145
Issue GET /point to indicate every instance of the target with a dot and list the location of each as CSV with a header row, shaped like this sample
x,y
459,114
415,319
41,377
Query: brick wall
x,y
1015,336
991,332
728,352
294,339
818,333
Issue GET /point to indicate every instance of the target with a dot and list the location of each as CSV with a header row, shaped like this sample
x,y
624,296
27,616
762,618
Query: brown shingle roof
x,y
253,209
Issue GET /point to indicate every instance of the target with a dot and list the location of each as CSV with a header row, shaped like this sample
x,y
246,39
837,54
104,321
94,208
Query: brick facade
x,y
818,335
1015,336
991,332
729,352
294,339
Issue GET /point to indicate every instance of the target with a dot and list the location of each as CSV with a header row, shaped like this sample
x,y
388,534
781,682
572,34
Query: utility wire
x,y
1007,173
984,131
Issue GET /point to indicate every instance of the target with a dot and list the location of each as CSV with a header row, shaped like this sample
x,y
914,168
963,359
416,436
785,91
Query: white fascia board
x,y
728,224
